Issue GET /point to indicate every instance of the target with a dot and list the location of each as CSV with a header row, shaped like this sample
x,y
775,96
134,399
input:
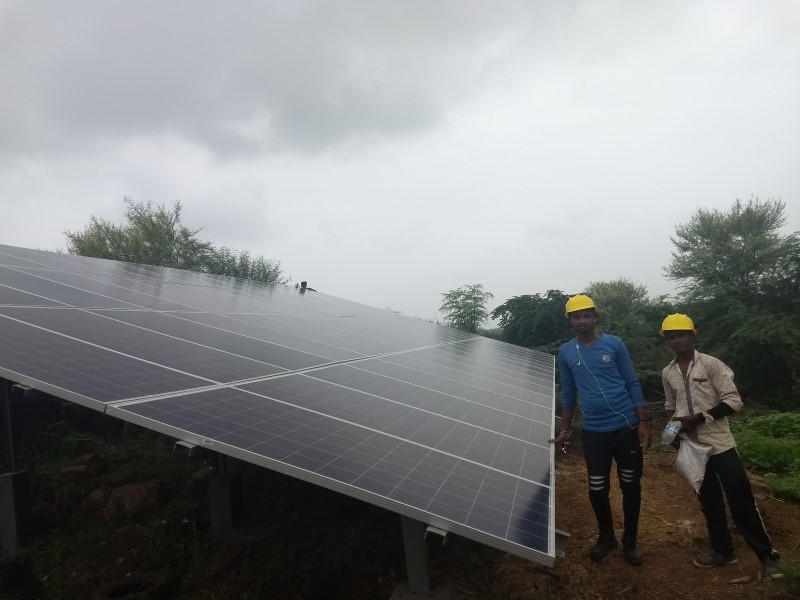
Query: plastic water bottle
x,y
669,434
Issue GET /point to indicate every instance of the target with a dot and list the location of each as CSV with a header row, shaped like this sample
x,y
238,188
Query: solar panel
x,y
442,426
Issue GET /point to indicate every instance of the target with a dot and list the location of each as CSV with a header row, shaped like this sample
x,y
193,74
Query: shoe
x,y
602,547
633,556
715,559
770,569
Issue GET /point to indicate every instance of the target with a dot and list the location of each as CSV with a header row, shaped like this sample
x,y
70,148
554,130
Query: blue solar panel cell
x,y
437,424
11,297
300,351
39,284
104,331
80,372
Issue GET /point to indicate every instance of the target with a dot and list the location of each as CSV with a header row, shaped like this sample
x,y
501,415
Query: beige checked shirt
x,y
709,381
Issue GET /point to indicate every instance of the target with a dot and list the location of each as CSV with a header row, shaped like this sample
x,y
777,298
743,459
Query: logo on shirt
x,y
606,358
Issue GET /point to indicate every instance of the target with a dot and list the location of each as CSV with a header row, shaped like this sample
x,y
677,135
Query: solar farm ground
x,y
299,541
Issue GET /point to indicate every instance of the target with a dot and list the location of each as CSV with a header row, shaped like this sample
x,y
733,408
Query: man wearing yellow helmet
x,y
615,428
700,391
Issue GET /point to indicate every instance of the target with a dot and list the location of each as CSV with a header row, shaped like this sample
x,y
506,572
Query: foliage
x,y
226,261
322,544
740,250
740,278
762,348
154,235
535,320
465,308
74,541
495,333
771,443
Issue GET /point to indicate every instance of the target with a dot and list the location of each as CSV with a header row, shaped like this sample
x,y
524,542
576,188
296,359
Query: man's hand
x,y
645,434
690,422
562,440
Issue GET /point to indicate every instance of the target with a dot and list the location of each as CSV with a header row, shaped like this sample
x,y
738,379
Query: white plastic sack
x,y
690,463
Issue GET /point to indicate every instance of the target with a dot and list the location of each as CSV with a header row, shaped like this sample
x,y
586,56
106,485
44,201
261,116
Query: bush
x,y
770,443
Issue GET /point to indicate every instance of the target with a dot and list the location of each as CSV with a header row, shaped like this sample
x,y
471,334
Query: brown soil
x,y
672,533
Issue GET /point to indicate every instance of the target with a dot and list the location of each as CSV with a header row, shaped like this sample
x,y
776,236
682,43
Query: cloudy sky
x,y
388,151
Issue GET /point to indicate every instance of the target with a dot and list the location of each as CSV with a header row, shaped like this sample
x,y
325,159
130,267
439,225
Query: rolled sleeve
x,y
669,393
722,378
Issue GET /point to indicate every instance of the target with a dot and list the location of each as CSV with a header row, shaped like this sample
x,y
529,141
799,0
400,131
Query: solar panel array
x,y
433,423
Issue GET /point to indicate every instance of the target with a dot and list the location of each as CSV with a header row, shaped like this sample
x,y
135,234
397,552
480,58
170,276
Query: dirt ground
x,y
671,533
301,542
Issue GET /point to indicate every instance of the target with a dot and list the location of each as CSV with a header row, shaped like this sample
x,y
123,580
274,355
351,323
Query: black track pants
x,y
622,446
725,471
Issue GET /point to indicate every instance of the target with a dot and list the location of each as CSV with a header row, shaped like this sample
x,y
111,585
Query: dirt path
x,y
672,533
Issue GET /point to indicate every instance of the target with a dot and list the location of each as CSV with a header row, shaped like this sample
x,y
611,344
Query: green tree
x,y
535,320
465,308
154,235
740,250
740,278
233,263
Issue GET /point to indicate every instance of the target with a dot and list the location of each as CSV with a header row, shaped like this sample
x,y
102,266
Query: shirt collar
x,y
674,361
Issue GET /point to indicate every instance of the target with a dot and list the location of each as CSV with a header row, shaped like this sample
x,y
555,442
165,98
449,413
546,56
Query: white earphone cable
x,y
580,359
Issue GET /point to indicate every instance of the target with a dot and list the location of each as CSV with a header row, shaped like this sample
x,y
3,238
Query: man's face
x,y
680,341
582,321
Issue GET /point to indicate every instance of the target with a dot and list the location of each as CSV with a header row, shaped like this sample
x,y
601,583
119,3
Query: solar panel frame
x,y
417,377
141,413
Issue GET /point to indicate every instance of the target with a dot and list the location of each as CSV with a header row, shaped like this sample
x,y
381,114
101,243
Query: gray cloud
x,y
388,151
277,76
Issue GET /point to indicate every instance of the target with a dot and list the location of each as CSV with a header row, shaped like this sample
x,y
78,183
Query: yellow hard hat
x,y
677,322
579,302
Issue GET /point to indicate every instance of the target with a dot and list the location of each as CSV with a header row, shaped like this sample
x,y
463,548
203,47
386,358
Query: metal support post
x,y
562,541
16,499
416,554
8,429
225,502
417,567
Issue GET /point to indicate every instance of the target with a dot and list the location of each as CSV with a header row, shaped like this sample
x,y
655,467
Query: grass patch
x,y
770,444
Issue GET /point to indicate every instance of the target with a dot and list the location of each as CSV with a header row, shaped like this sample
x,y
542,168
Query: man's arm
x,y
563,437
569,389
645,428
721,378
628,374
669,392
568,397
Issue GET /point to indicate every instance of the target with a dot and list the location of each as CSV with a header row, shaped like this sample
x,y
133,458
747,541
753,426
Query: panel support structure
x,y
417,566
562,541
225,502
8,427
16,516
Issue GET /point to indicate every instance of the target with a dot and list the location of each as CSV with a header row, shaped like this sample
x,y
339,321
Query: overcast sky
x,y
389,151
